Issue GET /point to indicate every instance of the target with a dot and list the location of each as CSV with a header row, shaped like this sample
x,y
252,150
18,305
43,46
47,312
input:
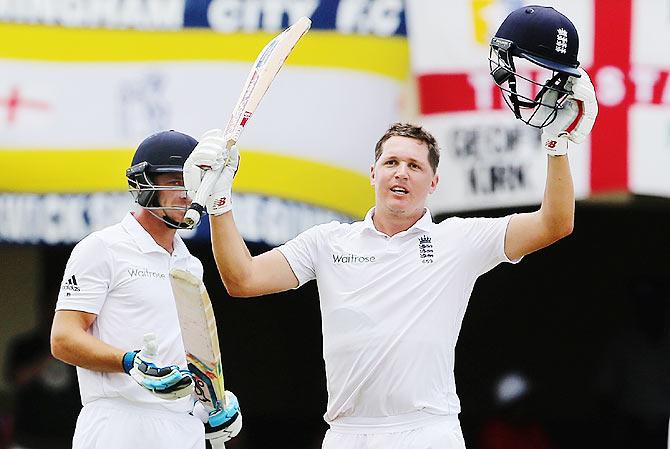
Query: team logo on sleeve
x,y
70,284
426,249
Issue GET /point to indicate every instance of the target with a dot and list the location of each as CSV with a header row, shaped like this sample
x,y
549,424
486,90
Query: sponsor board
x,y
627,149
378,17
65,219
94,89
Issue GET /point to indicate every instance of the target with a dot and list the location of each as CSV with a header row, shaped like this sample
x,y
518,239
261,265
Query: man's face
x,y
177,199
402,176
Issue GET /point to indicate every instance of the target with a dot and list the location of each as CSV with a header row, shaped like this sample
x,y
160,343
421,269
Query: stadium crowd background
x,y
568,350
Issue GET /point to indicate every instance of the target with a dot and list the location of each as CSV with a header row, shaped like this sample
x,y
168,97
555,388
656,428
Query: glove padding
x,y
574,120
168,382
221,424
211,154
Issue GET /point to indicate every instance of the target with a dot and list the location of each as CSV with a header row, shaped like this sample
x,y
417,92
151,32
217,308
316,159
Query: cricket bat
x,y
201,341
267,65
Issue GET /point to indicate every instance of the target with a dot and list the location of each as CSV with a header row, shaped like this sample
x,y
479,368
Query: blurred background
x,y
570,349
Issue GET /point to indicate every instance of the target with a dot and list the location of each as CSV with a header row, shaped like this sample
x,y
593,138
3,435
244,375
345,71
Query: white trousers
x,y
438,434
114,425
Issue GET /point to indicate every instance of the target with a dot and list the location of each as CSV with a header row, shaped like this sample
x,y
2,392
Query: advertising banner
x,y
489,159
83,82
493,160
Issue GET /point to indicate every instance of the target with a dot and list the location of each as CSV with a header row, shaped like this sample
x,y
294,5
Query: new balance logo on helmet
x,y
562,40
70,284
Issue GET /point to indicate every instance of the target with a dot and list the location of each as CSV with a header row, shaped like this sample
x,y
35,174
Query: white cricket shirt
x,y
123,276
392,309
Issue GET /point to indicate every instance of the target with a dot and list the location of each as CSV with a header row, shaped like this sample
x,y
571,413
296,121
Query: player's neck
x,y
158,230
392,222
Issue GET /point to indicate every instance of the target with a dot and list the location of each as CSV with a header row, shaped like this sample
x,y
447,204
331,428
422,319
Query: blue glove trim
x,y
224,416
127,360
210,429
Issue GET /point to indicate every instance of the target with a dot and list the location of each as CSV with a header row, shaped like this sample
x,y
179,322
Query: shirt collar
x,y
424,223
145,242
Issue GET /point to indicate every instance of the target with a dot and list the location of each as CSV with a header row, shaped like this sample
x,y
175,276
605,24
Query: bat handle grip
x,y
197,208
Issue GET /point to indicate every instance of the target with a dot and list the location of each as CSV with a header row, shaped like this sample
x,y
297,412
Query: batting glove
x,y
168,382
575,119
212,155
223,423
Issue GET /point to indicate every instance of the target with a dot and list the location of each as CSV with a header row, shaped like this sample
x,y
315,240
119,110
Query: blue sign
x,y
376,17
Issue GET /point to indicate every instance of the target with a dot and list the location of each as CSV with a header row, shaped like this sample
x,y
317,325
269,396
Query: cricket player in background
x,y
116,290
394,287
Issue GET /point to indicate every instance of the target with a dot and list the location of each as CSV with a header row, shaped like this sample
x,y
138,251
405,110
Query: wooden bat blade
x,y
265,68
201,341
268,63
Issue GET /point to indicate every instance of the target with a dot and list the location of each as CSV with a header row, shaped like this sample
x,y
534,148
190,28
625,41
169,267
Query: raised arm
x,y
555,218
242,274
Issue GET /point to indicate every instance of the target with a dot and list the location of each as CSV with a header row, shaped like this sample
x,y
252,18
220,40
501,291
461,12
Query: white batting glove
x,y
576,118
210,155
220,200
221,424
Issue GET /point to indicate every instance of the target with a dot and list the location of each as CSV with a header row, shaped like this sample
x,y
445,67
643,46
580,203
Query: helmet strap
x,y
169,222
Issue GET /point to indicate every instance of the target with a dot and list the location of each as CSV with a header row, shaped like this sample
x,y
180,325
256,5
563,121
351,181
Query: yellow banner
x,y
81,171
386,56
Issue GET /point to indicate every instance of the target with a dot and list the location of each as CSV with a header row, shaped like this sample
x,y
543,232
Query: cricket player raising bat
x,y
394,287
117,295
116,319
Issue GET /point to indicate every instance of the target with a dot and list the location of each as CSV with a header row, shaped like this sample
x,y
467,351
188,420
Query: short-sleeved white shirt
x,y
122,275
392,308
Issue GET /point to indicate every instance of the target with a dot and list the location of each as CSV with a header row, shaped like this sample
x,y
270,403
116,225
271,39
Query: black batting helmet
x,y
163,152
546,38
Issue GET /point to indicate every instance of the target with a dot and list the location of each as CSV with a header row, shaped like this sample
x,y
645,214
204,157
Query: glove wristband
x,y
127,361
556,146
220,204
